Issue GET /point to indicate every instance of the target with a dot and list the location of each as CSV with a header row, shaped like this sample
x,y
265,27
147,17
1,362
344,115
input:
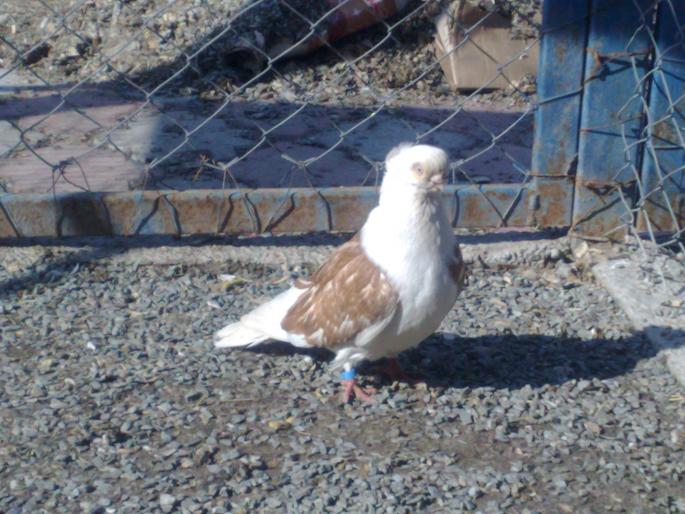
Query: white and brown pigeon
x,y
382,292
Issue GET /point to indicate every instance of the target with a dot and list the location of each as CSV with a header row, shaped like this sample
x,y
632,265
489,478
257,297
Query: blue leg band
x,y
349,374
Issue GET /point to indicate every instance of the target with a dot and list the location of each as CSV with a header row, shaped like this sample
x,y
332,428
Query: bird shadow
x,y
514,361
509,361
281,349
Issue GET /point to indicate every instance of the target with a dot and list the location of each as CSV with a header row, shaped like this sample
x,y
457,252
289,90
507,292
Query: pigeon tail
x,y
262,324
237,334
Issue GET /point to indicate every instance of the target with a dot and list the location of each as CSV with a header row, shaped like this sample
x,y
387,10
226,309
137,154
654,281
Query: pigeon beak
x,y
436,182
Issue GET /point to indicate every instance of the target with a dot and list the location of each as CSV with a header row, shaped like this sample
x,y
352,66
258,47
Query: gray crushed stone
x,y
537,398
522,249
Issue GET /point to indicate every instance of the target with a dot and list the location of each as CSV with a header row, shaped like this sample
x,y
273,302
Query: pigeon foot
x,y
353,390
393,370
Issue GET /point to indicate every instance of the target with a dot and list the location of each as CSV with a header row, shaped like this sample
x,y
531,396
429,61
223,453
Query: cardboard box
x,y
473,42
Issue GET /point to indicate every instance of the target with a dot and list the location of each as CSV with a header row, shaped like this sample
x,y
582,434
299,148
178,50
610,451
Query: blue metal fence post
x,y
618,55
663,172
560,89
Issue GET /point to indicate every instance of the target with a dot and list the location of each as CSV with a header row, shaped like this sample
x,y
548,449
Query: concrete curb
x,y
652,306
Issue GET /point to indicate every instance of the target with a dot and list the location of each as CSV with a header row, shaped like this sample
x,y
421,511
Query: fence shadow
x,y
165,139
513,361
182,143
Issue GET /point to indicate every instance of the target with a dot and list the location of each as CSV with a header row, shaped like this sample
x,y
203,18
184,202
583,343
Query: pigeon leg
x,y
352,389
393,370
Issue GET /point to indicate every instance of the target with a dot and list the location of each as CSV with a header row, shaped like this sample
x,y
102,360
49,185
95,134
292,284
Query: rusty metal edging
x,y
277,211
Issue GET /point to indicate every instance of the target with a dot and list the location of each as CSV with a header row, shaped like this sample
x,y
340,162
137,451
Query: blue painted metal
x,y
611,119
560,89
663,175
560,86
276,211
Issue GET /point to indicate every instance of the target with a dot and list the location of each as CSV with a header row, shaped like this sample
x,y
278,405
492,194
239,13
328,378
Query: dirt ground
x,y
107,100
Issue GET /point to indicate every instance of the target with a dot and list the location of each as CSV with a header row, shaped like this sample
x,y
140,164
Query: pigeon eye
x,y
418,169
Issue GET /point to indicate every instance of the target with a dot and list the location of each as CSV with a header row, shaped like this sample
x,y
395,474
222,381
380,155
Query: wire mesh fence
x,y
658,207
630,153
278,111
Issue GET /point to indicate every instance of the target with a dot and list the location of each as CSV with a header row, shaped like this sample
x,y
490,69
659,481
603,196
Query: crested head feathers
x,y
415,168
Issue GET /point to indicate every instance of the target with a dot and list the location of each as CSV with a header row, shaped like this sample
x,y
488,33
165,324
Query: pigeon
x,y
382,292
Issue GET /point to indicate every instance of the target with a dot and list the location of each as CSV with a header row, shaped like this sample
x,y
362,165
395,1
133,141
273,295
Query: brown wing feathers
x,y
343,297
457,267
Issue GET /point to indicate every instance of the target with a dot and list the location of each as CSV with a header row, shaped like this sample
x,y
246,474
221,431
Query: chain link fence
x,y
631,154
288,107
658,205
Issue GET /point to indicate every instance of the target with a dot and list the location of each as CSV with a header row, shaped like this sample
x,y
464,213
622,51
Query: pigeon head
x,y
417,168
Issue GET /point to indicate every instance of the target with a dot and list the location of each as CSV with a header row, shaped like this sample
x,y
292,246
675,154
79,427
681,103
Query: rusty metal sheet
x,y
282,211
350,208
555,202
657,217
206,213
139,213
82,215
484,207
31,215
537,204
540,204
7,229
603,209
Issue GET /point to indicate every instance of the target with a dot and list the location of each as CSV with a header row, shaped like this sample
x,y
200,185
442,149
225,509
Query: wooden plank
x,y
663,175
617,59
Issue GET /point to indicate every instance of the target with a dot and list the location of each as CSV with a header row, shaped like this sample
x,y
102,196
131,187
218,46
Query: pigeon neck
x,y
403,197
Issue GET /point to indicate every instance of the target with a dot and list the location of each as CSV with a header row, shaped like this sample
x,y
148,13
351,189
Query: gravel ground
x,y
146,41
537,398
